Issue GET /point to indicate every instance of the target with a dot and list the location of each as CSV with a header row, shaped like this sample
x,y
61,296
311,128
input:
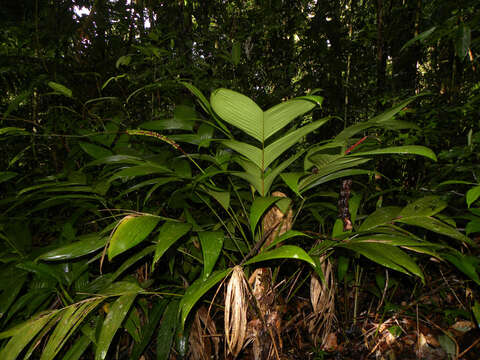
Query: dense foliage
x,y
192,172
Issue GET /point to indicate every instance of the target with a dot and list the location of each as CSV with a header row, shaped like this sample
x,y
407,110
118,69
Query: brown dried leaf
x,y
236,311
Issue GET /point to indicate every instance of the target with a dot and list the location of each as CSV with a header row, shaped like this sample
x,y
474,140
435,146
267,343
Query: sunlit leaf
x,y
426,206
283,252
472,195
61,89
130,231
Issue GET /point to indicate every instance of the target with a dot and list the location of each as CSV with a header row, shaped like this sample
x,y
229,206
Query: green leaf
x,y
166,331
278,147
285,236
472,227
71,318
466,264
406,149
279,116
170,232
112,322
22,335
420,37
283,252
212,243
436,226
195,291
379,217
427,206
386,255
472,195
61,89
307,184
377,121
95,151
253,153
130,231
140,170
239,111
292,180
77,349
7,175
86,245
463,41
259,206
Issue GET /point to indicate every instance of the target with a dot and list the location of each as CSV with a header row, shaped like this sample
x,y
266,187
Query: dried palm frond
x,y
322,297
202,337
275,222
236,311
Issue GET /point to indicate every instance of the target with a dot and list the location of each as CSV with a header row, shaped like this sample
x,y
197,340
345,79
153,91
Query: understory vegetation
x,y
240,180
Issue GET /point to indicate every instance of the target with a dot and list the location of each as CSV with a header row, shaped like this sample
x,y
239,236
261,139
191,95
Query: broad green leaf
x,y
437,226
420,37
61,89
240,111
465,263
195,291
472,195
325,168
407,149
112,322
379,217
22,335
279,116
292,180
270,176
427,206
386,255
253,153
283,252
472,227
258,208
374,122
121,288
285,236
86,245
95,151
278,147
222,197
166,331
307,184
212,243
10,130
170,232
130,231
